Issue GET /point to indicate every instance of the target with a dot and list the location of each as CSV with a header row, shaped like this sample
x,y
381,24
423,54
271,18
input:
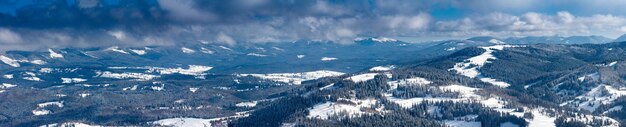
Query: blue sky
x,y
33,24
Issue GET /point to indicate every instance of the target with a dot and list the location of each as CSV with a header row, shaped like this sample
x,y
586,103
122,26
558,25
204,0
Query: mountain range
x,y
377,81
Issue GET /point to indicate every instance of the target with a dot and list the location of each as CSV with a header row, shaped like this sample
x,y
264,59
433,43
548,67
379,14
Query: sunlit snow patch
x,y
296,78
382,68
600,95
353,107
8,76
9,61
126,75
256,54
470,66
40,107
247,104
195,70
300,56
70,124
187,50
54,54
138,51
328,58
116,49
408,82
197,122
366,77
73,80
4,86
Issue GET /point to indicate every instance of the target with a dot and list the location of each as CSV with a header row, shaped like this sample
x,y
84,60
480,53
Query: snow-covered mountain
x,y
477,81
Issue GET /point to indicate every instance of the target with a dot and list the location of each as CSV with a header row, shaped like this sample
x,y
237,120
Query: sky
x,y
41,24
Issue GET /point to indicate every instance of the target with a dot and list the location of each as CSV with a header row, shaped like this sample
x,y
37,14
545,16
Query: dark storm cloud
x,y
37,24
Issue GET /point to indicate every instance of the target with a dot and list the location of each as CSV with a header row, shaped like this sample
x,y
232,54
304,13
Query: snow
x,y
296,78
38,62
205,50
194,70
592,76
32,78
116,49
327,86
138,51
184,122
72,80
193,90
467,94
470,66
130,88
382,68
384,39
600,95
70,124
496,41
300,56
464,90
83,95
350,106
8,76
328,58
495,82
224,47
460,123
612,63
54,54
6,86
126,75
38,112
197,122
187,50
616,108
40,107
541,120
410,102
607,65
365,77
256,54
247,104
157,88
408,82
378,39
9,61
45,70
55,103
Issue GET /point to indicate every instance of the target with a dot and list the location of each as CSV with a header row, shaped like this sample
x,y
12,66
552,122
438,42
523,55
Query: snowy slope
x,y
471,66
296,78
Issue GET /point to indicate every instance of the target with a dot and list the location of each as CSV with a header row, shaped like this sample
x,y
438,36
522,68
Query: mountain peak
x,y
489,39
620,38
377,40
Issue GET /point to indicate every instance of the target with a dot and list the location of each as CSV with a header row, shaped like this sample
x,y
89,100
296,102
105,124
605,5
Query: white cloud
x,y
119,35
531,24
9,37
419,21
223,38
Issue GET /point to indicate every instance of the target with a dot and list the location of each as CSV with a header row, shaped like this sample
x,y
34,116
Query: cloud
x,y
223,38
95,23
183,10
9,37
532,24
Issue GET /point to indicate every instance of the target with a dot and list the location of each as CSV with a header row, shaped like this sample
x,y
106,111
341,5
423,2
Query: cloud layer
x,y
95,23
